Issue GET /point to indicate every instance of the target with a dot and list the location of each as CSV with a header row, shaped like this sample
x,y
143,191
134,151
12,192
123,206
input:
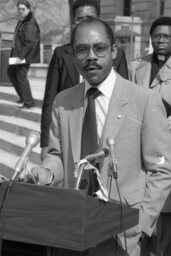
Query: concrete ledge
x,y
38,70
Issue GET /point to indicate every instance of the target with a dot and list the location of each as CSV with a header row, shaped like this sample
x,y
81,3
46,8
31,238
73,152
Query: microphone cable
x,y
113,172
121,205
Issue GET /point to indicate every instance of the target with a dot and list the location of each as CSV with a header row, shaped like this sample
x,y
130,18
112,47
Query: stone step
x,y
37,88
38,70
10,108
14,145
8,162
17,125
14,98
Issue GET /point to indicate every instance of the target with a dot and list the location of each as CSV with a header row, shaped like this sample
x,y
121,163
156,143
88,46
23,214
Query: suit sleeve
x,y
53,160
156,153
51,90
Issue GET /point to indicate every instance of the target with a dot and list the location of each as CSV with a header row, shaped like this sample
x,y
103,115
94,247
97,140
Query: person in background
x,y
154,71
120,62
62,73
133,116
25,50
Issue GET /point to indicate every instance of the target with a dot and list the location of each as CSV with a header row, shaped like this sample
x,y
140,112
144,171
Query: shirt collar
x,y
106,87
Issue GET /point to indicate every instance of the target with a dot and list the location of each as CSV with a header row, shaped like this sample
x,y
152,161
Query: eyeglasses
x,y
82,51
165,37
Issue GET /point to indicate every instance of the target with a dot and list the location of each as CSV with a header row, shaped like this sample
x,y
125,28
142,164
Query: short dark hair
x,y
164,20
24,2
92,20
82,3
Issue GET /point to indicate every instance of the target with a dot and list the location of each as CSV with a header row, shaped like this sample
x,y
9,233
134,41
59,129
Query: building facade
x,y
131,21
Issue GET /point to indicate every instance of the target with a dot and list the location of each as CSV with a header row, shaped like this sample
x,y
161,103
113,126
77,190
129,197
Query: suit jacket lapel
x,y
114,120
116,112
69,62
75,122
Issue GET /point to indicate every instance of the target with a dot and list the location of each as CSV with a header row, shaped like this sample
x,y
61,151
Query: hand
x,y
42,176
43,153
37,175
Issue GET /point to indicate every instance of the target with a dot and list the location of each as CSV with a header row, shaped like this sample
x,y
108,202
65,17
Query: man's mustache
x,y
92,64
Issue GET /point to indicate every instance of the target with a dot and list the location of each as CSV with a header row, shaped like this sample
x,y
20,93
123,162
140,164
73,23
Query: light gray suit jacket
x,y
140,73
136,120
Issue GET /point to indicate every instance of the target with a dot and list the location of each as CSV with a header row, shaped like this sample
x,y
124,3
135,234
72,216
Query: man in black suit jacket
x,y
62,73
120,63
25,50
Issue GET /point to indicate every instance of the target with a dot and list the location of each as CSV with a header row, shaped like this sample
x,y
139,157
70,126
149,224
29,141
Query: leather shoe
x,y
27,106
19,101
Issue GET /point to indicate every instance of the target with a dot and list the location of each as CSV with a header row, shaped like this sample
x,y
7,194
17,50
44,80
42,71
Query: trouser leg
x,y
23,83
148,247
163,241
159,244
133,240
12,74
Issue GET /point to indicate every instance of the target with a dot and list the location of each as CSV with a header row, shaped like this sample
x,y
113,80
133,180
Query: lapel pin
x,y
119,116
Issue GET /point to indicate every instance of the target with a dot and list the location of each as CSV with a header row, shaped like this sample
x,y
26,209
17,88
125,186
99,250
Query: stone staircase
x,y
16,123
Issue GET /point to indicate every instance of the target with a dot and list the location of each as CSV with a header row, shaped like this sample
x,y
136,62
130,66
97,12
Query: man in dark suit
x,y
62,73
25,50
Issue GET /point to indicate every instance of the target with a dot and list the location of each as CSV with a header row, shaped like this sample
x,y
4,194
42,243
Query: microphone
x,y
96,157
111,142
93,158
31,141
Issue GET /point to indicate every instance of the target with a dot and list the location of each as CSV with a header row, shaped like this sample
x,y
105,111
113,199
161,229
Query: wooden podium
x,y
64,218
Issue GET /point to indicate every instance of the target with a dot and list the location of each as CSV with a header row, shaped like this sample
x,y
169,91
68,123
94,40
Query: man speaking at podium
x,y
133,116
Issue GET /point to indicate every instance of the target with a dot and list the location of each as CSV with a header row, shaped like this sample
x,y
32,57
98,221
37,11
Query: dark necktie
x,y
89,143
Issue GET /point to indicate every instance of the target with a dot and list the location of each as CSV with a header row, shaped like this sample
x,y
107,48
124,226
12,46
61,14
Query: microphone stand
x,y
110,181
112,173
80,173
